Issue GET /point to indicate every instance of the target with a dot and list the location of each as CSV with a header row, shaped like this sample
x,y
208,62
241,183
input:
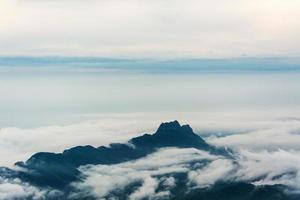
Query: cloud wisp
x,y
154,177
14,189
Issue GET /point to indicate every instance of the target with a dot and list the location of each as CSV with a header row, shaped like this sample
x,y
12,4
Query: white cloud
x,y
276,167
277,134
147,189
11,189
217,170
101,180
169,182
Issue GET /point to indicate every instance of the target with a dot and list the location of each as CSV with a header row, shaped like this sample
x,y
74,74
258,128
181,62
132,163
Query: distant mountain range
x,y
58,170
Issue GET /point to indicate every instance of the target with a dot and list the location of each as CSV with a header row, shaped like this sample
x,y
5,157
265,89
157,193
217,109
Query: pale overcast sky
x,y
150,28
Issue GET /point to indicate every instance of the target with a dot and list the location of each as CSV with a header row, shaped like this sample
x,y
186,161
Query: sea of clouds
x,y
266,146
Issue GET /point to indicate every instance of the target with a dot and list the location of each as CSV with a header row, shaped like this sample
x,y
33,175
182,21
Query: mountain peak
x,y
174,125
170,134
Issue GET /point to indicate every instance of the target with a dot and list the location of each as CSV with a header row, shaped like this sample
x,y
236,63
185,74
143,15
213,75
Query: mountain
x,y
59,169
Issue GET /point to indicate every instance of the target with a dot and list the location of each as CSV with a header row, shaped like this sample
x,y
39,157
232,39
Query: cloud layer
x,y
154,177
277,134
265,146
157,175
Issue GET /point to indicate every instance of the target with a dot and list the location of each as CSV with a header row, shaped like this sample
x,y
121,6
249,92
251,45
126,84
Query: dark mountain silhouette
x,y
171,134
59,169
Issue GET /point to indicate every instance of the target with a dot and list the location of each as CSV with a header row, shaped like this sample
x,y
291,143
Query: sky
x,y
80,72
157,28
